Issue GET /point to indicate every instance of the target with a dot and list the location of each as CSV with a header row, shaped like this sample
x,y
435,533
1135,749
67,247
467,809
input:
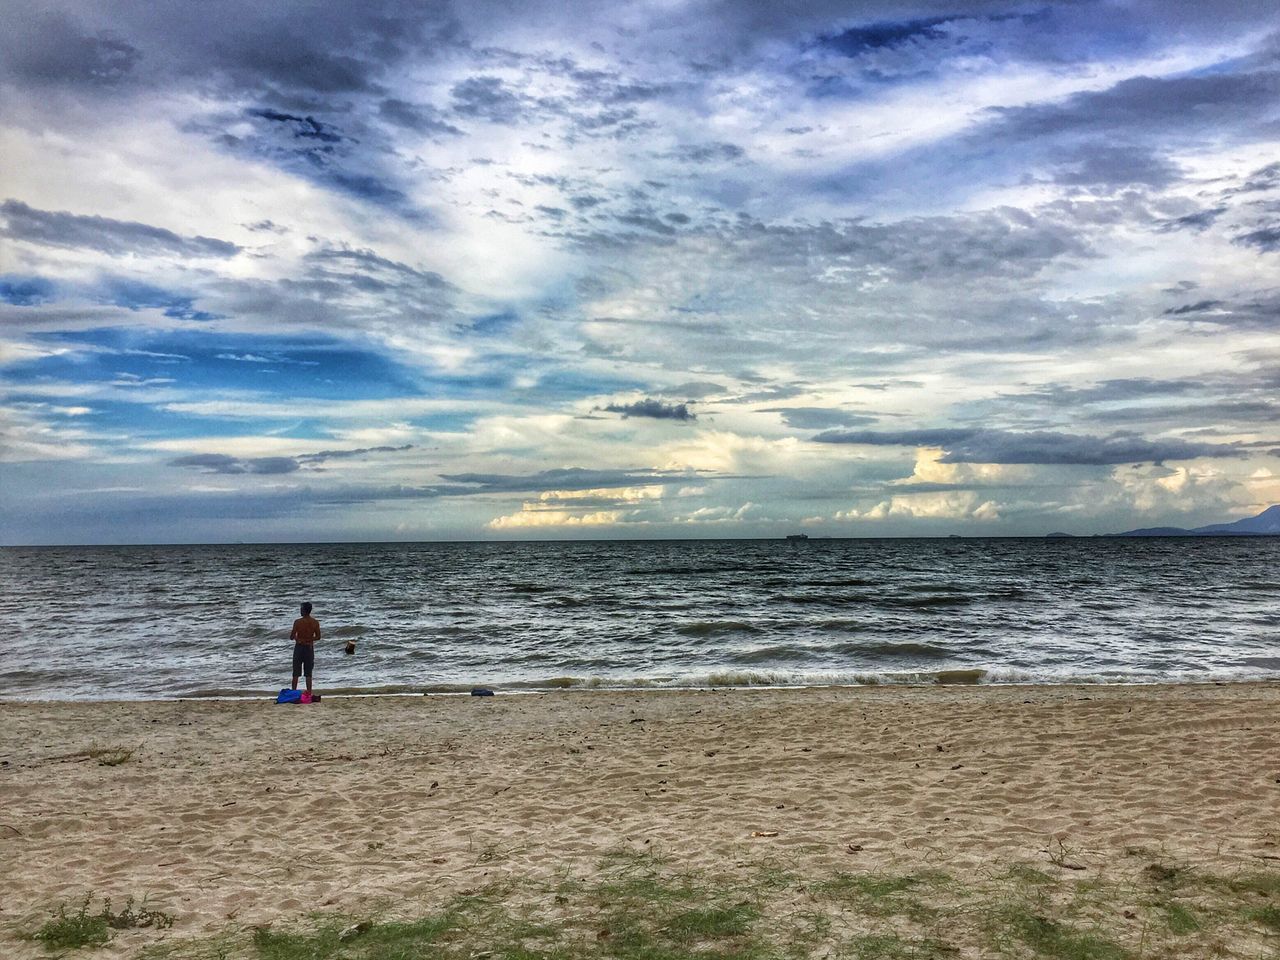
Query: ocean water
x,y
154,622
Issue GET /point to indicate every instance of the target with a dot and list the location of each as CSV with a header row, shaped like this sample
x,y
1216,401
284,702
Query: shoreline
x,y
397,691
239,813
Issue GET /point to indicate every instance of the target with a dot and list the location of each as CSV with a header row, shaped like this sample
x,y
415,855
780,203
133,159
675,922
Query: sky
x,y
387,270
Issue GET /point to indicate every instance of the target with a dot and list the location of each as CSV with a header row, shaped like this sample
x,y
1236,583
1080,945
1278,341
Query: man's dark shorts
x,y
304,659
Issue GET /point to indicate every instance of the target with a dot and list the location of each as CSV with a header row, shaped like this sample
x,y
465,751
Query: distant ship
x,y
797,536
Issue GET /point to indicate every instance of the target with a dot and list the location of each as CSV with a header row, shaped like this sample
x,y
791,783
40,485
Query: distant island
x,y
1265,524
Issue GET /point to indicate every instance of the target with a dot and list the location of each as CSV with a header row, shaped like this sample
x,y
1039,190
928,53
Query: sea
x,y
155,622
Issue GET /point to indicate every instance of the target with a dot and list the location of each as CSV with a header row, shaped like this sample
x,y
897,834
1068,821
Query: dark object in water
x,y
350,648
797,536
481,692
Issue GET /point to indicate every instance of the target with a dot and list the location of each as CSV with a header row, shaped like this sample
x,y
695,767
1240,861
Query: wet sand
x,y
248,812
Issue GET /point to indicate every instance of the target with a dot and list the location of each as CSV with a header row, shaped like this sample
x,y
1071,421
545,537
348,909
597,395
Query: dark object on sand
x,y
482,692
350,648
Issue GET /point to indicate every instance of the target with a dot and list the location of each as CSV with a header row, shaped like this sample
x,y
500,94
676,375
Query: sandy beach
x,y
243,813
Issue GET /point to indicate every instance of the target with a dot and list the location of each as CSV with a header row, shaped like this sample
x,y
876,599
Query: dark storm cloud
x,y
319,150
1112,164
54,51
876,36
1200,306
324,455
1261,412
1260,311
653,409
819,418
1179,108
1199,221
703,153
570,478
222,463
225,464
305,128
1110,391
420,118
1267,239
116,238
968,445
488,98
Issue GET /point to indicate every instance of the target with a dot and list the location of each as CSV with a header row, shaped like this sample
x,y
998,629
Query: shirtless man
x,y
306,631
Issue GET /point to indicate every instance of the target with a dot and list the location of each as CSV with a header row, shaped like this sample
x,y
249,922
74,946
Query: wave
x,y
924,603
711,628
890,650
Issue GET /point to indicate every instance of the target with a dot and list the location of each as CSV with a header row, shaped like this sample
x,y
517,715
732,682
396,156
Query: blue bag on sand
x,y
289,696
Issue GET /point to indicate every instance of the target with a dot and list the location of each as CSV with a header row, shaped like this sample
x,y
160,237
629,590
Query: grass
x,y
84,928
1048,937
634,906
110,756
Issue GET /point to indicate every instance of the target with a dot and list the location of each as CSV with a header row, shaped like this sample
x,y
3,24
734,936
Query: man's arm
x,y
293,634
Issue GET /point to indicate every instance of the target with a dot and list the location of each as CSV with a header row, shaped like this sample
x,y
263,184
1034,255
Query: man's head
x,y
306,609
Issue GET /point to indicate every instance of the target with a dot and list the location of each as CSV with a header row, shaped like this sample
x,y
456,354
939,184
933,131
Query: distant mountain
x,y
1265,524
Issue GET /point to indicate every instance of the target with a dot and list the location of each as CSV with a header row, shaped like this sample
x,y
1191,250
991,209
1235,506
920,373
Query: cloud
x,y
53,51
819,418
273,466
885,34
653,409
969,445
225,464
1266,239
570,478
116,238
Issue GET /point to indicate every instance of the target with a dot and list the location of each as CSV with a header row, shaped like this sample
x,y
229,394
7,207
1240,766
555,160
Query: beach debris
x,y
637,720
348,934
853,847
8,832
1058,856
481,692
764,833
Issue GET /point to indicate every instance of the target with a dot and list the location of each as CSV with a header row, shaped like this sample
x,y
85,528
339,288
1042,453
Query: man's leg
x,y
294,685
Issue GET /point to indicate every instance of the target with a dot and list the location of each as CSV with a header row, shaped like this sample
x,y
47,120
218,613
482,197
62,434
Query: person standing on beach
x,y
306,631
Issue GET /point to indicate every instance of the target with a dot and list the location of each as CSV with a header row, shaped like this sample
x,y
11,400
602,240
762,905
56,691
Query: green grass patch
x,y
1055,938
713,923
1268,916
891,947
1178,918
1026,873
884,894
338,938
1262,882
73,930
632,905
